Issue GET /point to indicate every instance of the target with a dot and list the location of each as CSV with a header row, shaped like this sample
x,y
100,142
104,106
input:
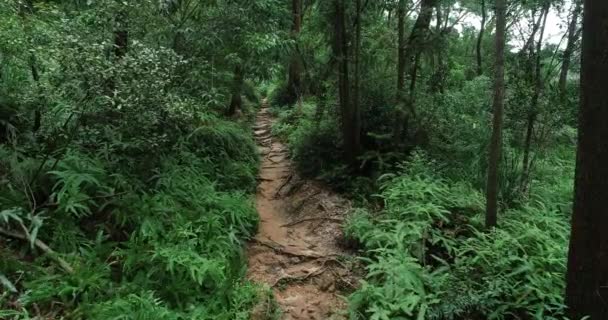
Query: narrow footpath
x,y
297,251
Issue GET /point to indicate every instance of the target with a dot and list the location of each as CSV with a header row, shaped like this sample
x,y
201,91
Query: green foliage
x,y
429,258
281,97
222,148
122,167
313,140
117,161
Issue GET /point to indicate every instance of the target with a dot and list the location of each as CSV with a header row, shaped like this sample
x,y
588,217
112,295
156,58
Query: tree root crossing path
x,y
297,251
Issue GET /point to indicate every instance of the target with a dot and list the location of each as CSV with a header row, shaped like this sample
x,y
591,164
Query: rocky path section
x,y
297,250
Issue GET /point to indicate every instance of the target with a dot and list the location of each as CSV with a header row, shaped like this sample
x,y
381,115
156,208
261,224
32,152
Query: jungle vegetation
x,y
470,134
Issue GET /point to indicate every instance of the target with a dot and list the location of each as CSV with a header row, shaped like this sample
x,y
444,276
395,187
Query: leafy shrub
x,y
279,96
315,145
429,258
224,148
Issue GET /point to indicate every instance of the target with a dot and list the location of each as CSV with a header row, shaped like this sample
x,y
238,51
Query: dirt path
x,y
297,249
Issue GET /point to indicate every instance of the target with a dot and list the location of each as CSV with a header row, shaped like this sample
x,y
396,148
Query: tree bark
x,y
350,135
36,77
441,67
400,50
530,42
572,38
498,105
587,279
357,84
27,8
412,50
480,38
294,82
533,111
236,102
121,36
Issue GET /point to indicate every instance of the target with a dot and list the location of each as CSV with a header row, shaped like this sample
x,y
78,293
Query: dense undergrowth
x,y
420,226
127,165
125,192
164,247
429,255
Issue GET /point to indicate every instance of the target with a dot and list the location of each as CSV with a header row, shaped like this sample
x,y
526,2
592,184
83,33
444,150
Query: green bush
x,y
280,96
315,146
428,256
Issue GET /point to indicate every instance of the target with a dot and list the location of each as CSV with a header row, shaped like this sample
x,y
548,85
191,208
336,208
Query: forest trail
x,y
297,249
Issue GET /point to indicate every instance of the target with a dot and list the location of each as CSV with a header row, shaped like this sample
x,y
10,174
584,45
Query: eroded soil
x,y
297,250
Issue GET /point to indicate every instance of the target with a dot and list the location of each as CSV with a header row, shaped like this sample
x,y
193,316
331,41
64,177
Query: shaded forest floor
x,y
298,251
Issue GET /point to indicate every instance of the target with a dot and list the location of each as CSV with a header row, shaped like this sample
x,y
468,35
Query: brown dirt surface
x,y
297,251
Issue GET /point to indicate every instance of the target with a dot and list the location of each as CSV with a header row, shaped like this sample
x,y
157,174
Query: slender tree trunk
x,y
441,68
350,134
413,78
121,36
587,279
419,33
236,102
36,77
400,50
528,45
533,111
120,49
357,84
572,38
415,43
498,105
480,38
294,83
27,8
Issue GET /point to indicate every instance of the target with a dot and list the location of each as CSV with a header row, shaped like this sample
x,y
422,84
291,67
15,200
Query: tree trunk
x,y
236,102
36,77
533,111
528,46
480,38
294,82
587,279
357,84
441,67
572,38
349,118
400,50
415,42
121,36
27,8
498,105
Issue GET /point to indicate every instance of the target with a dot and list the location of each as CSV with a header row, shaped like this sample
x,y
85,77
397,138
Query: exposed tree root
x,y
291,224
42,246
290,278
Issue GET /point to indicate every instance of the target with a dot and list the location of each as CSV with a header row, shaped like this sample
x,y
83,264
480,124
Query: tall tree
x,y
572,39
441,50
411,53
401,49
357,67
587,279
536,95
26,8
294,83
236,100
499,93
349,117
480,38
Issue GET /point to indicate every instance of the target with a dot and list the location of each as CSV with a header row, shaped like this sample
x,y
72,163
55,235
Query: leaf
x,y
7,283
14,214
